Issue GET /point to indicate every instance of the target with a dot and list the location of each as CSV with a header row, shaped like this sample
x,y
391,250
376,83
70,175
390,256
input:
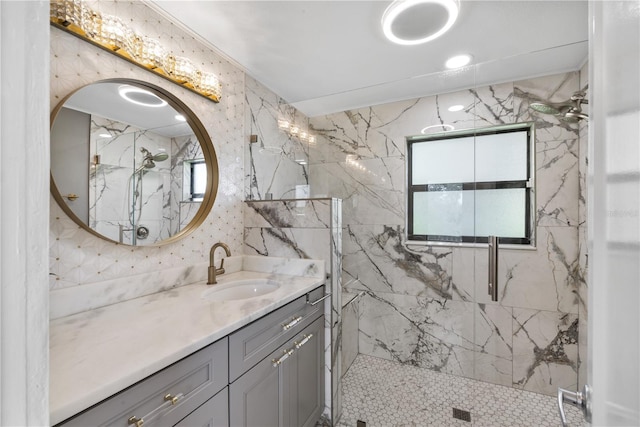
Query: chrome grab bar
x,y
318,301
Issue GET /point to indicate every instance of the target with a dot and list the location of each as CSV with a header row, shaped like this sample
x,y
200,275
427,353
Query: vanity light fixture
x,y
455,108
437,128
112,34
430,18
458,61
141,97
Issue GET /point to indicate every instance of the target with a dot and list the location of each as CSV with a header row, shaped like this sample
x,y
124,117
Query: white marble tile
x,y
277,162
426,332
493,338
350,315
557,183
376,257
372,190
540,279
314,213
556,88
545,350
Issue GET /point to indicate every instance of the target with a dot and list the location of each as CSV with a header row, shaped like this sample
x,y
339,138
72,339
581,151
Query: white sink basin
x,y
240,289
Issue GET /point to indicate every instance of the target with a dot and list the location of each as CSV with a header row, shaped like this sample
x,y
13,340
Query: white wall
x,y
24,212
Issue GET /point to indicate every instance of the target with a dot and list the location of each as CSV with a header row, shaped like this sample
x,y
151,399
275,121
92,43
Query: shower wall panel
x,y
427,305
308,229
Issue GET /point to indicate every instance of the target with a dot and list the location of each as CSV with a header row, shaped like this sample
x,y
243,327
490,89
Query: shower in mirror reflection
x,y
135,194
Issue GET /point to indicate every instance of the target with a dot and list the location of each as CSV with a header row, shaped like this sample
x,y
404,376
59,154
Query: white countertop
x,y
97,353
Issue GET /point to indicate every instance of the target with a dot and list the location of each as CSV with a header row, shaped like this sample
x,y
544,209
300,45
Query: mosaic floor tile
x,y
384,393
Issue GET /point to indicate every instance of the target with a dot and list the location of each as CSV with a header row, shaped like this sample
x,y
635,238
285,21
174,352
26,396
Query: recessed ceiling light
x,y
436,128
104,135
412,22
180,118
455,108
140,96
458,61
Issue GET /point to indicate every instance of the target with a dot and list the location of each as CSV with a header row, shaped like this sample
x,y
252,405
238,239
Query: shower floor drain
x,y
461,414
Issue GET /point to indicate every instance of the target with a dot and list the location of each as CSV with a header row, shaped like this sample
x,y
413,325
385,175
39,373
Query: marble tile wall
x,y
427,305
306,229
277,162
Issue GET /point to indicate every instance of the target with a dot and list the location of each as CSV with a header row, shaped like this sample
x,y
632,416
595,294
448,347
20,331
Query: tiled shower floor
x,y
383,393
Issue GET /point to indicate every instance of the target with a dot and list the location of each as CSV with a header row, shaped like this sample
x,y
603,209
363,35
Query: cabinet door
x,y
306,376
256,398
213,413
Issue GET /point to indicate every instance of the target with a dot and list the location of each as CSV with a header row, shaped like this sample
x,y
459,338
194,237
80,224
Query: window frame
x,y
189,180
528,241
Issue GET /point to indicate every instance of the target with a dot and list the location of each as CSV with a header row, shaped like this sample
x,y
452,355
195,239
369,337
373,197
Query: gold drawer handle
x,y
304,340
71,197
291,324
173,399
169,400
138,422
285,356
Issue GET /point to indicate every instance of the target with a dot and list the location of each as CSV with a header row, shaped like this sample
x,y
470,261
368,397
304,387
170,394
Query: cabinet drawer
x,y
257,340
193,380
214,413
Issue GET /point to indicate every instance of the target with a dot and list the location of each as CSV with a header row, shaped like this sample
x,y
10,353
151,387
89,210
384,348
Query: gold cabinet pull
x,y
169,400
138,422
173,399
285,356
71,196
291,324
304,340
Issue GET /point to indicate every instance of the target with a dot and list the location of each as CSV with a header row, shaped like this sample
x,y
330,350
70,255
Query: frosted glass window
x,y
443,162
501,157
509,220
444,213
463,187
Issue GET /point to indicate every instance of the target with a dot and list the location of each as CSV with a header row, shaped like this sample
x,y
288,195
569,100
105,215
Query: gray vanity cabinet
x,y
287,387
214,413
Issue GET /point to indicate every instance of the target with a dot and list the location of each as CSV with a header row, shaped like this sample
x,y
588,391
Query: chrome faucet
x,y
212,265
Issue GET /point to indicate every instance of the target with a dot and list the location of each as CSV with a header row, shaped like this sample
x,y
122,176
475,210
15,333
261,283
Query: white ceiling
x,y
330,56
104,100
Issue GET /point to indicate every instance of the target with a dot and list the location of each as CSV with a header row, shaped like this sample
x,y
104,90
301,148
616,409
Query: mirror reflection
x,y
127,164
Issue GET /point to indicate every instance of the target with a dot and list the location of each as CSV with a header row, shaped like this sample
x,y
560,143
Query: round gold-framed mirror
x,y
131,163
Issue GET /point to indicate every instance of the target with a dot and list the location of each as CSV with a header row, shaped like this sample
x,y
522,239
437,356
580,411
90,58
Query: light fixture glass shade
x,y
399,7
111,33
208,83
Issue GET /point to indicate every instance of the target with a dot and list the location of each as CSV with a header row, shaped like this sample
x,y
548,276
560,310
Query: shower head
x,y
569,111
160,157
544,107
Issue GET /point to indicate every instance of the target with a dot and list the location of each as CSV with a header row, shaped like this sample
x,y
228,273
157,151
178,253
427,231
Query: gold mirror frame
x,y
208,152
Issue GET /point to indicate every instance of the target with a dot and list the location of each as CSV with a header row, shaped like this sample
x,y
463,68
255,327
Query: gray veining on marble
x,y
360,158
